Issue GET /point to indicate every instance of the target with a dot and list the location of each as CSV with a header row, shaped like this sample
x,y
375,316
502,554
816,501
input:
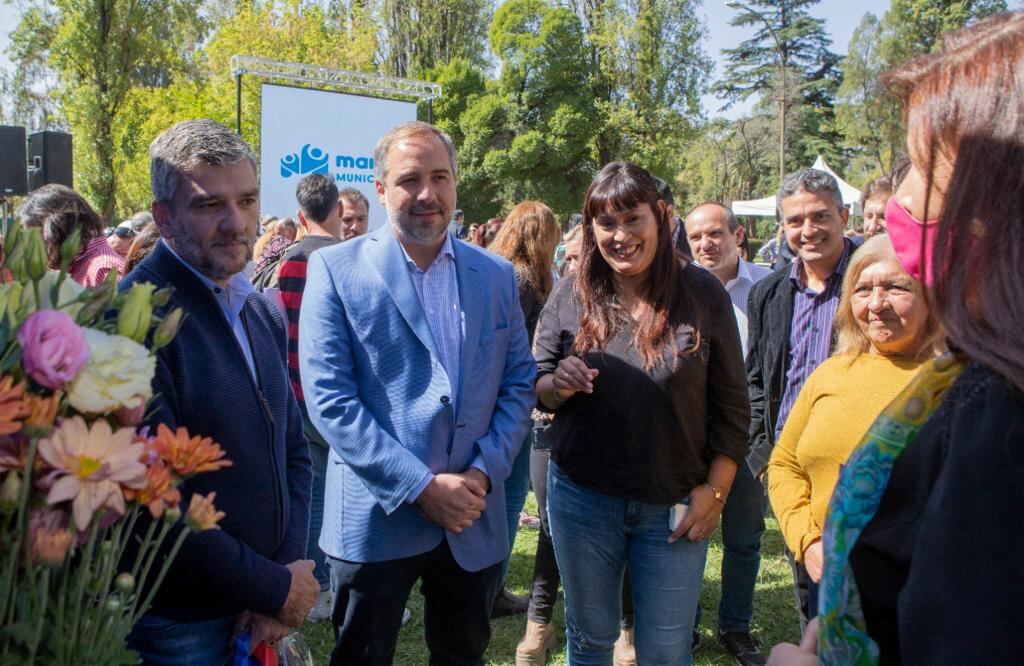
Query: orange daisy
x,y
187,455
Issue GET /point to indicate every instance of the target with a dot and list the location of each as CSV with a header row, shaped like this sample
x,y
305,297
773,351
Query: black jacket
x,y
203,383
939,565
769,323
769,320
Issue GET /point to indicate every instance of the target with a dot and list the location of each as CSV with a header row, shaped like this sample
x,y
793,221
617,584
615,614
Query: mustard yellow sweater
x,y
837,404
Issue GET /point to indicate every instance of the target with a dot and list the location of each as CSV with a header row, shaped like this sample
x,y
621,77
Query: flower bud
x,y
167,329
98,299
10,491
35,257
13,235
125,582
113,604
162,297
70,247
172,515
135,316
50,539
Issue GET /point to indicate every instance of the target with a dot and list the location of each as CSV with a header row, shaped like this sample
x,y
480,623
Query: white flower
x,y
119,373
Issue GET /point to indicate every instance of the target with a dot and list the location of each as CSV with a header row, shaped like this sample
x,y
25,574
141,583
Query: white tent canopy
x,y
766,207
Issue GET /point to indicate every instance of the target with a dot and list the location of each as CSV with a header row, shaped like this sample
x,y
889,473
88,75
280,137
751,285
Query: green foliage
x,y
419,35
97,51
529,135
866,114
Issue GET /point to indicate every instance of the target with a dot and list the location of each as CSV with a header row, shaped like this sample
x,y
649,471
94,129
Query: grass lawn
x,y
775,618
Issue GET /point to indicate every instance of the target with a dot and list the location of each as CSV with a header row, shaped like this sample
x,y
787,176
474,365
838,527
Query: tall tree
x,y
418,35
868,118
530,135
97,51
865,113
787,39
648,69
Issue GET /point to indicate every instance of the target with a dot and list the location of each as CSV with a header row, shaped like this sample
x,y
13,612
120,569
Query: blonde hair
x,y
850,339
528,238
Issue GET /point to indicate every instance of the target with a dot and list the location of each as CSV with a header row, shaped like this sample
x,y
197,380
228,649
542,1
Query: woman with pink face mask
x,y
924,534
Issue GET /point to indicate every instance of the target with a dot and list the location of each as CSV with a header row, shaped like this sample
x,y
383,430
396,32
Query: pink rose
x,y
53,348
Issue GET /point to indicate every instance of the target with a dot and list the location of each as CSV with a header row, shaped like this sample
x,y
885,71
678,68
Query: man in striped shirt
x,y
790,313
320,214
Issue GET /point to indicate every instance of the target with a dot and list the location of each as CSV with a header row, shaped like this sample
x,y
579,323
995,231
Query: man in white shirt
x,y
714,236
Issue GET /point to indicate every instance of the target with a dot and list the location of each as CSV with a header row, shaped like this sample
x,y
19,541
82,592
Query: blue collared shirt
x,y
810,335
231,299
438,291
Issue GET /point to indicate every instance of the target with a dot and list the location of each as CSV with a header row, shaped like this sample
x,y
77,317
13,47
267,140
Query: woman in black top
x,y
930,566
639,356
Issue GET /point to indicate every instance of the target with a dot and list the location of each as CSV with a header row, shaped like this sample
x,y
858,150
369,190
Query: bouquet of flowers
x,y
76,473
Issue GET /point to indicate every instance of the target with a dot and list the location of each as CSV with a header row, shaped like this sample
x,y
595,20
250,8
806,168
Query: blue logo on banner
x,y
309,160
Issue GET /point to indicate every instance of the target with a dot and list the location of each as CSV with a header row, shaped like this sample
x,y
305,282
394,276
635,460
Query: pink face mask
x,y
905,233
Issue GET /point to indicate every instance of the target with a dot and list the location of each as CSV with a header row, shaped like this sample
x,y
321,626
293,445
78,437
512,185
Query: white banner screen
x,y
305,131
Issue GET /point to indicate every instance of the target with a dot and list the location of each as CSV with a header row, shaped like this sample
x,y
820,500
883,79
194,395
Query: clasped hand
x,y
454,501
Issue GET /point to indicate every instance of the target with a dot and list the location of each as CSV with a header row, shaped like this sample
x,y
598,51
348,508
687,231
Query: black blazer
x,y
769,321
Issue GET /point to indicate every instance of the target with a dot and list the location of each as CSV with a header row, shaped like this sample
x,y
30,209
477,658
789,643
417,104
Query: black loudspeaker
x,y
13,175
49,159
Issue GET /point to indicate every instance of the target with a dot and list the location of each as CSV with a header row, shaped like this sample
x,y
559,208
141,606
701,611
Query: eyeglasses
x,y
123,232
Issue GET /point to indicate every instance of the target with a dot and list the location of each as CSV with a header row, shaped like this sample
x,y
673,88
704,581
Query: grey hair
x,y
809,180
730,217
408,130
188,145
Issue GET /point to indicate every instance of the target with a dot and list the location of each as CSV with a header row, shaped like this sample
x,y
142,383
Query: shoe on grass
x,y
507,603
538,641
743,648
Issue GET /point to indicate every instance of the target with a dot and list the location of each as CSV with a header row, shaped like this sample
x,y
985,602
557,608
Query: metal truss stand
x,y
374,84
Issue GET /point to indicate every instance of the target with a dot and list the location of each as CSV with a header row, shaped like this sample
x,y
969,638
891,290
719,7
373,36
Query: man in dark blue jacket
x,y
224,376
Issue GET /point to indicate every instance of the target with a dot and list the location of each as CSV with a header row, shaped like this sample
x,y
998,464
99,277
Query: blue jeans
x,y
163,642
595,536
742,527
318,451
516,486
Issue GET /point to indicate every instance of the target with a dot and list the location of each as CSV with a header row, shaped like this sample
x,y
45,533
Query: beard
x,y
201,256
418,233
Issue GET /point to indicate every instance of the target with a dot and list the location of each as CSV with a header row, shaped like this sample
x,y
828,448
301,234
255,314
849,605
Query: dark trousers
x,y
545,569
369,599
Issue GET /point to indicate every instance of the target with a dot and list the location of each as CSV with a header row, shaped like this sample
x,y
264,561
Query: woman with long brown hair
x,y
923,537
639,356
528,238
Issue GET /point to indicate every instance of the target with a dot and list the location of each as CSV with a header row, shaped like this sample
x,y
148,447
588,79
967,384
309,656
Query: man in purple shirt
x,y
790,315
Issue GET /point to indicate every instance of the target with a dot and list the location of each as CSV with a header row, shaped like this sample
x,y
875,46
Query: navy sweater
x,y
202,382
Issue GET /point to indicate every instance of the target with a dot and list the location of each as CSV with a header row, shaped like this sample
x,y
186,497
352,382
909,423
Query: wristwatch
x,y
716,492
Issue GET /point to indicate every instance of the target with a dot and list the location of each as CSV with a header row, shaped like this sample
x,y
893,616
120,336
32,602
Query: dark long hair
x,y
57,210
620,187
968,103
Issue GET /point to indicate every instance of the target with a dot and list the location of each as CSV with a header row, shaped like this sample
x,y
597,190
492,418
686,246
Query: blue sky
x,y
841,18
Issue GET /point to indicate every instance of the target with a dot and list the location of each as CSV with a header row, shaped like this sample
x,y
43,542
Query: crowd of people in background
x,y
389,391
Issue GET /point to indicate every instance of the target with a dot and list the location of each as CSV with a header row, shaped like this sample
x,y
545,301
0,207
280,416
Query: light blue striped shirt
x,y
438,292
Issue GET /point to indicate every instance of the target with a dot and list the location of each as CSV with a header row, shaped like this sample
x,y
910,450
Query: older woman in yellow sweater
x,y
884,331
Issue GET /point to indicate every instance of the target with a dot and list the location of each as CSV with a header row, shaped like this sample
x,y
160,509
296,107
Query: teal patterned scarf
x,y
842,633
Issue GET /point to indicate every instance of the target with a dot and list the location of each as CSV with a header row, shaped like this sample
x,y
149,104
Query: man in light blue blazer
x,y
416,368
